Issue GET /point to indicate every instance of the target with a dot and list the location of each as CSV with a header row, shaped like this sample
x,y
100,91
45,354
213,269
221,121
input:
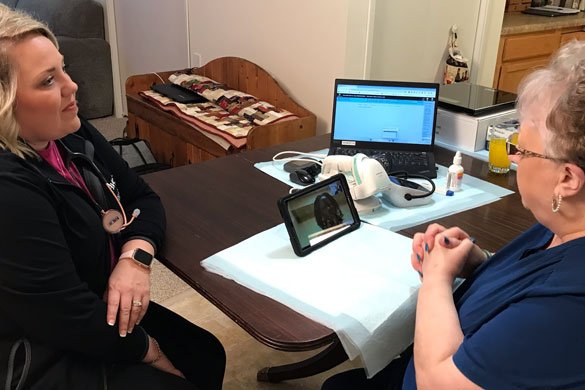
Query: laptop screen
x,y
384,115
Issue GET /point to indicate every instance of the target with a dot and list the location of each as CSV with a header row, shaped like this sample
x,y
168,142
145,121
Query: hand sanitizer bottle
x,y
455,174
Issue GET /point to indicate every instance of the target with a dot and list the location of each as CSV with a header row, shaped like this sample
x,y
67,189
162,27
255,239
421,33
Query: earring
x,y
556,203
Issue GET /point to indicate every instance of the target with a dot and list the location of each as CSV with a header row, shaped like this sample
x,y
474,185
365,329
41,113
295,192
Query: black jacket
x,y
55,264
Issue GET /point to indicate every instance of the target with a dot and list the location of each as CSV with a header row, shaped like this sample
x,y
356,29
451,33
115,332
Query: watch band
x,y
140,256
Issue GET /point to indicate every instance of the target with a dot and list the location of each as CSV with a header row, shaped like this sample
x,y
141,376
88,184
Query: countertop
x,y
519,23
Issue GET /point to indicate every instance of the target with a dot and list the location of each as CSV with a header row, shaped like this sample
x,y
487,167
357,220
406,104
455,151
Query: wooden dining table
x,y
218,203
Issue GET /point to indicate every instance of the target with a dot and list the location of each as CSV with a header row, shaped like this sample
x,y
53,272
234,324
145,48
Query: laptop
x,y
178,93
550,10
393,122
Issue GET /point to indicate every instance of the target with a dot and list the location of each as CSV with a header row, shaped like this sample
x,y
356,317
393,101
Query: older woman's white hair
x,y
559,89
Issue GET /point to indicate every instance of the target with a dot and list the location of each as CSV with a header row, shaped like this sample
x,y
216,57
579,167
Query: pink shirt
x,y
53,157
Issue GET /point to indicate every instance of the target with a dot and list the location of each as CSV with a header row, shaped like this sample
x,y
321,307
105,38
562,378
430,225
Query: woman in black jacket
x,y
78,231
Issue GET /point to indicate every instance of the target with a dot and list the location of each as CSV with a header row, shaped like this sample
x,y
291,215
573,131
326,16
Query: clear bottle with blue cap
x,y
455,174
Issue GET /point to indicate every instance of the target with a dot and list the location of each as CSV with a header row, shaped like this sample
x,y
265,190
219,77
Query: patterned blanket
x,y
229,114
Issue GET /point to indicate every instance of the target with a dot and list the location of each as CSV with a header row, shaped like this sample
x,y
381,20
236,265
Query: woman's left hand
x,y
127,295
446,262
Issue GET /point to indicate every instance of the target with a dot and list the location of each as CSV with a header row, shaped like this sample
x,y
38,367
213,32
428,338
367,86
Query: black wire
x,y
405,176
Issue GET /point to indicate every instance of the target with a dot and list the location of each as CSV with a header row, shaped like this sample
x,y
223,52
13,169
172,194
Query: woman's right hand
x,y
156,358
423,243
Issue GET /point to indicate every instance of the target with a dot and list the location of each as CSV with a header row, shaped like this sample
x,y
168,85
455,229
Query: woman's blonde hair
x,y
560,89
15,26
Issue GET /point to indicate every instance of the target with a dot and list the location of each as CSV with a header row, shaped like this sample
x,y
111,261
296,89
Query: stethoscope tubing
x,y
70,157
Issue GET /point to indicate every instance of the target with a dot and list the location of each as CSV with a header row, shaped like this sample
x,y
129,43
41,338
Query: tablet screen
x,y
319,214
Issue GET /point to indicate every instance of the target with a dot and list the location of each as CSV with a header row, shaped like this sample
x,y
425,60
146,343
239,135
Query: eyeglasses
x,y
515,150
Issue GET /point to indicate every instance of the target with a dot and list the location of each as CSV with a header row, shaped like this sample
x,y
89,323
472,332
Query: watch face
x,y
143,256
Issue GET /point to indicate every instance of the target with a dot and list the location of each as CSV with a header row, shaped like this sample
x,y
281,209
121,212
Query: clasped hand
x,y
446,253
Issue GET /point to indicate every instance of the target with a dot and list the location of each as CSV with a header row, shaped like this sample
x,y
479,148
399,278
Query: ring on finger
x,y
137,303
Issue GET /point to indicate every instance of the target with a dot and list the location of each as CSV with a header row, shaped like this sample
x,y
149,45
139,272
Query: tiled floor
x,y
165,284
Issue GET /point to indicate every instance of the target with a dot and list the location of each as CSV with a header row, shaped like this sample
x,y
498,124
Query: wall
x,y
306,44
151,36
303,44
110,20
489,51
411,37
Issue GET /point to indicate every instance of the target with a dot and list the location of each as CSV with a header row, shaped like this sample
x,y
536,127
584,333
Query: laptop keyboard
x,y
411,162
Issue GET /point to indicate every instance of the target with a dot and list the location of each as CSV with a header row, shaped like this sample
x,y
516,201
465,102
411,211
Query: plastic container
x,y
455,174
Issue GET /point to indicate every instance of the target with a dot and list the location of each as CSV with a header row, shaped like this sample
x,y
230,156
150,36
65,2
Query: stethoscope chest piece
x,y
113,221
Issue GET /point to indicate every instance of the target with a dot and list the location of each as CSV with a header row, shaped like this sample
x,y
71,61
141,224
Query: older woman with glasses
x,y
518,320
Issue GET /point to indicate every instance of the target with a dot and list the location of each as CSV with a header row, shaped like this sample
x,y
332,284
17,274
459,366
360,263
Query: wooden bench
x,y
176,142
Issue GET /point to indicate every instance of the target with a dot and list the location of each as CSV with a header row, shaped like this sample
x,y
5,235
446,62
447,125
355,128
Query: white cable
x,y
298,153
301,159
300,156
157,75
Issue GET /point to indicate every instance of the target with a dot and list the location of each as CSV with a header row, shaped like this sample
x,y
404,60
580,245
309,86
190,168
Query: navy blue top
x,y
523,317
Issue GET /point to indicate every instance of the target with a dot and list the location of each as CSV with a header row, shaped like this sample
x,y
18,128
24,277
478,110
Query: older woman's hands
x,y
128,292
447,263
438,235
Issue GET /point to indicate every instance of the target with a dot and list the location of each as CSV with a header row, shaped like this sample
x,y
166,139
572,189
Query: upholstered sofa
x,y
80,29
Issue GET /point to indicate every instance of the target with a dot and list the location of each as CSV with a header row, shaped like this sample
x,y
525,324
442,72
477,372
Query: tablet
x,y
318,214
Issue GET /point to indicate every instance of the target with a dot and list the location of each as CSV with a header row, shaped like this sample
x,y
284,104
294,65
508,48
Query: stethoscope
x,y
113,221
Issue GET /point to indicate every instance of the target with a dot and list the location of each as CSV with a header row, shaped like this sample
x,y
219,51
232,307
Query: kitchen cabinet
x,y
521,54
569,36
512,73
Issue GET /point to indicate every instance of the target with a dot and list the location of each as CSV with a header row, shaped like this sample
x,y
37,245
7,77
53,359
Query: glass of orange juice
x,y
513,139
498,161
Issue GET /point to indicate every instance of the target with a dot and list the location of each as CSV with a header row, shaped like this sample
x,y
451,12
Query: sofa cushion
x,y
80,31
74,18
10,3
89,65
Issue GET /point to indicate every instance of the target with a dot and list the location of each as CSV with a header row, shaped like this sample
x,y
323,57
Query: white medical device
x,y
366,177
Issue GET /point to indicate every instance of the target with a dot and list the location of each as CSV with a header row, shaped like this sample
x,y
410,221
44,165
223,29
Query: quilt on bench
x,y
229,114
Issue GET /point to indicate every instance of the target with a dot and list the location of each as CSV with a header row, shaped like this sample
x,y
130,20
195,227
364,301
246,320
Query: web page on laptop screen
x,y
378,113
